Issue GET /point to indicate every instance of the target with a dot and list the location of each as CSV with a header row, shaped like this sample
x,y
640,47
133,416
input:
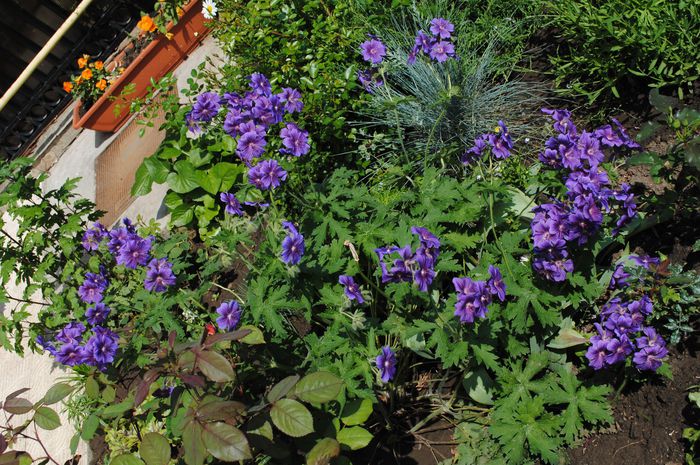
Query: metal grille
x,y
25,26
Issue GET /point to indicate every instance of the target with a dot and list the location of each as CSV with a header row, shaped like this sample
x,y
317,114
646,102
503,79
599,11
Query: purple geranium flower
x,y
260,84
206,107
159,275
496,284
72,332
442,28
619,277
373,51
70,354
135,252
250,145
386,362
424,41
441,50
295,140
597,354
293,246
650,358
292,100
351,288
101,347
97,314
233,206
92,288
424,275
230,315
645,260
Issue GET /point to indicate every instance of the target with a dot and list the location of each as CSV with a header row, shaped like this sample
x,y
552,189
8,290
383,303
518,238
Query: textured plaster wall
x,y
37,371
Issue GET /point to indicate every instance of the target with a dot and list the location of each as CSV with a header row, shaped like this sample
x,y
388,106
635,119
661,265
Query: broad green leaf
x,y
356,412
46,418
57,393
567,337
479,386
226,442
154,449
354,437
221,410
90,426
116,410
92,389
184,179
126,459
281,389
17,406
292,418
215,367
323,452
226,174
142,182
318,387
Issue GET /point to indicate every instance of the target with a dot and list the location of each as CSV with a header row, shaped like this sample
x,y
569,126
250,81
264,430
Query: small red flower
x,y
211,330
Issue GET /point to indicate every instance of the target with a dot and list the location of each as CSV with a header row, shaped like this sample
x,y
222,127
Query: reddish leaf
x,y
171,339
145,385
17,406
232,336
192,380
16,393
3,444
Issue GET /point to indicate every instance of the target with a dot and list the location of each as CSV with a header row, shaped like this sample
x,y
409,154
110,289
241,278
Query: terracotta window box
x,y
159,58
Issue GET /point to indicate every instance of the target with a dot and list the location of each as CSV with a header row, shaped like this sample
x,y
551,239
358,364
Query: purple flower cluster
x,y
474,297
499,142
621,333
293,246
437,45
373,51
249,118
67,347
577,218
159,275
93,236
418,266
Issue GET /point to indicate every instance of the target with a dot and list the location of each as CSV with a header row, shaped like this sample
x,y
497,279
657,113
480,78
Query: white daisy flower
x,y
209,9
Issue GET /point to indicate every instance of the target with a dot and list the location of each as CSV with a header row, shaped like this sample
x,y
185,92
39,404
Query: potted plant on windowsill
x,y
106,108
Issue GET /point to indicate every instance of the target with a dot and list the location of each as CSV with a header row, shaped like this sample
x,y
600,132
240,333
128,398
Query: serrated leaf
x,y
46,418
318,387
292,418
154,449
354,437
226,442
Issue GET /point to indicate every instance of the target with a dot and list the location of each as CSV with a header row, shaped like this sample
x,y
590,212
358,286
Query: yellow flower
x,y
99,65
83,61
68,86
101,84
86,74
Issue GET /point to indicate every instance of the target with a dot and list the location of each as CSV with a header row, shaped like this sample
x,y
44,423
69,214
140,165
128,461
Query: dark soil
x,y
649,421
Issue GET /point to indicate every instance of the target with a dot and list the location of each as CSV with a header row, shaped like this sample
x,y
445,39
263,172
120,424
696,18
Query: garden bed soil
x,y
649,421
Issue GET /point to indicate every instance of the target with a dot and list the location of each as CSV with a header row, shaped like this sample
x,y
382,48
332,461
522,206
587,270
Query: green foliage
x,y
692,433
609,41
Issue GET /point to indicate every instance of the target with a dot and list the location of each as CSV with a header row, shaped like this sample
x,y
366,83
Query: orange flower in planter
x,y
86,74
83,61
99,65
68,86
101,84
146,24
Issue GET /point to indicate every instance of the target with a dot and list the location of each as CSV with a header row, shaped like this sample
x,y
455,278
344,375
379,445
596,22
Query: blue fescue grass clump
x,y
437,107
